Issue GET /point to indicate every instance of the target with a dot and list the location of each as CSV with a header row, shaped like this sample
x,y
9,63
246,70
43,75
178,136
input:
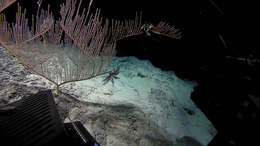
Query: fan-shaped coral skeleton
x,y
78,46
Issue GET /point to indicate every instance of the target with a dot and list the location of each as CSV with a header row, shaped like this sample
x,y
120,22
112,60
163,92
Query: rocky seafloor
x,y
114,120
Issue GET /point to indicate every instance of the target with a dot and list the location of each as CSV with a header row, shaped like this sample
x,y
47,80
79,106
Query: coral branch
x,y
78,46
5,3
167,30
